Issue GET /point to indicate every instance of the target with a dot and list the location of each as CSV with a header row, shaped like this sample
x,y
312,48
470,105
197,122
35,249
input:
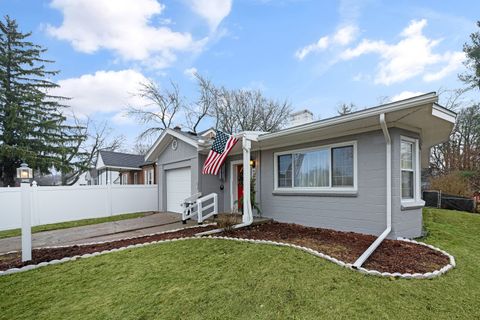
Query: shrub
x,y
228,220
454,183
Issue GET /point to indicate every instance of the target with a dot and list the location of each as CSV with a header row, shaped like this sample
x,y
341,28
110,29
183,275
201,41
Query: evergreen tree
x,y
33,128
472,51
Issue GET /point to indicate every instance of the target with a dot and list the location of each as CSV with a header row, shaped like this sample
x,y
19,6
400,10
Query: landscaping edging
x,y
427,275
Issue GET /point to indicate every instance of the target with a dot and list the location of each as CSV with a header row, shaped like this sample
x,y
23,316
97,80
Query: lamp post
x,y
25,175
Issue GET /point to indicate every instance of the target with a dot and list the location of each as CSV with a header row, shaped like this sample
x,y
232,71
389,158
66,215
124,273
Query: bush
x,y
228,220
455,183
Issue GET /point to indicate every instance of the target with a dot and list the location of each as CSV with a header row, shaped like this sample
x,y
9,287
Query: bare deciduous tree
x,y
247,110
203,107
83,155
346,108
163,105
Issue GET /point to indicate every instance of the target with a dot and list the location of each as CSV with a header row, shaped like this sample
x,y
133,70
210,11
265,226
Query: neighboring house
x,y
120,168
330,173
91,177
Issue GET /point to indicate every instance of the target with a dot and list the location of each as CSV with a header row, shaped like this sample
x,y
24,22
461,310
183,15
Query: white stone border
x,y
343,264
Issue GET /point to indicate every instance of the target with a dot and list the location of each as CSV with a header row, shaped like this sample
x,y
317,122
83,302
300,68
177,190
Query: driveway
x,y
107,231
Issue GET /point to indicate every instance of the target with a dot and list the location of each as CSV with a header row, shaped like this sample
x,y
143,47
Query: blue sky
x,y
316,54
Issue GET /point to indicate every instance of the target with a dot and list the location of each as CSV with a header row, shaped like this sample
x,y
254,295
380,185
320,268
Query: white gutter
x,y
247,217
378,241
427,98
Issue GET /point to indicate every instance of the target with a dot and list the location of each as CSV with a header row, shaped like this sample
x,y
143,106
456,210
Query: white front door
x,y
178,185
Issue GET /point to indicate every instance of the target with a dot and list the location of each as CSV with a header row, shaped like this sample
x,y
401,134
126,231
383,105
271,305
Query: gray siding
x,y
363,212
184,156
211,184
407,223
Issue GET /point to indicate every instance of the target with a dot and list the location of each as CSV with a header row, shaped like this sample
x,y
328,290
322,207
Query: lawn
x,y
71,224
220,279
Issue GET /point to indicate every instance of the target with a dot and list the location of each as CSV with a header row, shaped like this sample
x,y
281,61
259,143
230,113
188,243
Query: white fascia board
x,y
375,111
443,113
207,132
250,135
173,133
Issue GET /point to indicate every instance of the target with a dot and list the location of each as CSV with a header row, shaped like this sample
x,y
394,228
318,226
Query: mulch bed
x,y
13,260
392,255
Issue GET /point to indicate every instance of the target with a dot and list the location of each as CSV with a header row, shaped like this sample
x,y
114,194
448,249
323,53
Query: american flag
x,y
216,157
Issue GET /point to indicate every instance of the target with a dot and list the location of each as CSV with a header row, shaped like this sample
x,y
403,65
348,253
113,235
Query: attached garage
x,y
178,187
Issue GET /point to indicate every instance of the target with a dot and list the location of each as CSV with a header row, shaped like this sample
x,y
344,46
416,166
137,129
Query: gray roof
x,y
195,136
123,160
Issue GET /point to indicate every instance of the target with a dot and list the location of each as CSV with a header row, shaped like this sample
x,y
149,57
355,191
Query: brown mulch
x,y
13,260
391,256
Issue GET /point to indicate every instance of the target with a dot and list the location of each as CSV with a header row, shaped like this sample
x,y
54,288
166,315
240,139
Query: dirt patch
x,y
13,260
391,256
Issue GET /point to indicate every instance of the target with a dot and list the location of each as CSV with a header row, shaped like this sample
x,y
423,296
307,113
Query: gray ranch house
x,y
358,172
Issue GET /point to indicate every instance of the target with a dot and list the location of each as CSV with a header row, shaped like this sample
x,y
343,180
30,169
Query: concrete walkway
x,y
107,231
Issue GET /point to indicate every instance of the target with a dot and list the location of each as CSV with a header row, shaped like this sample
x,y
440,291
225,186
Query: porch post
x,y
247,209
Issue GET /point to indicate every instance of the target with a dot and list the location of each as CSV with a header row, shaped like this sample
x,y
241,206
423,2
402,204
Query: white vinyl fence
x,y
60,204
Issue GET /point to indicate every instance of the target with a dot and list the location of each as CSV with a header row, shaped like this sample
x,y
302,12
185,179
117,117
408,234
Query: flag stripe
x,y
231,142
216,157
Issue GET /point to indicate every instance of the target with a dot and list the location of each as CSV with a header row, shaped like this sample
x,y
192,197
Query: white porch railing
x,y
203,207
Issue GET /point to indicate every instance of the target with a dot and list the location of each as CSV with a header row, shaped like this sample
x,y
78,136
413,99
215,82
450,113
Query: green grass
x,y
220,279
71,224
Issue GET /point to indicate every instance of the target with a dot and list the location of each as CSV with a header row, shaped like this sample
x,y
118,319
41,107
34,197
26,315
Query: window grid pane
x,y
311,169
407,184
342,166
406,158
407,162
284,171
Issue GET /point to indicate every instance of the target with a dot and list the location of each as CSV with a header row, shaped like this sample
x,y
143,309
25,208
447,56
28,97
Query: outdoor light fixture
x,y
252,163
24,173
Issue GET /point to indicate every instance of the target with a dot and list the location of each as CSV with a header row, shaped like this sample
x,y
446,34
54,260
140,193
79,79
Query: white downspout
x,y
247,218
385,233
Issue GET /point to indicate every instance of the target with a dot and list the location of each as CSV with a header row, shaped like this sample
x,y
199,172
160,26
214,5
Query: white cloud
x,y
412,56
213,11
345,35
122,26
103,91
342,37
405,95
455,62
190,72
320,45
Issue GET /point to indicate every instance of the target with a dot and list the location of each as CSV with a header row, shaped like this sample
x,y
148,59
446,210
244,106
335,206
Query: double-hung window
x,y
410,169
148,176
323,168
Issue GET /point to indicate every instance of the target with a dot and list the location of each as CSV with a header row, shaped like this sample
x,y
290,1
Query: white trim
x,y
329,189
211,130
390,107
416,165
443,113
232,165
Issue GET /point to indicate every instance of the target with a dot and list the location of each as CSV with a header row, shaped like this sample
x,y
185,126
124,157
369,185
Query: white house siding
x,y
363,212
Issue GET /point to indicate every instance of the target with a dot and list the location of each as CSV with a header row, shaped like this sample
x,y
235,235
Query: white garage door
x,y
178,188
